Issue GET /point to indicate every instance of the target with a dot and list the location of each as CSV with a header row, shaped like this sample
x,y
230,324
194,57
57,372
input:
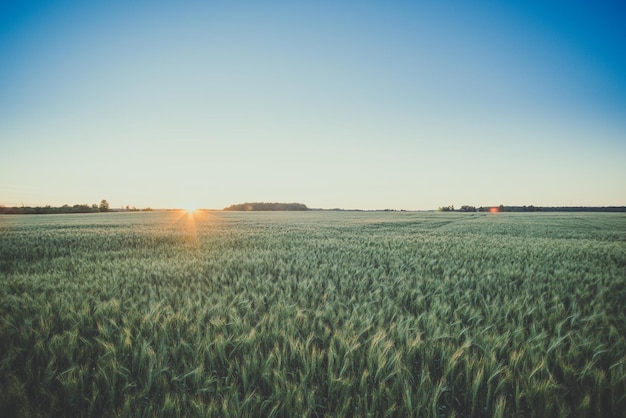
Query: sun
x,y
190,209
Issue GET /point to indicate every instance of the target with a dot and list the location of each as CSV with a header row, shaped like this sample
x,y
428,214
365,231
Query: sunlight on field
x,y
187,219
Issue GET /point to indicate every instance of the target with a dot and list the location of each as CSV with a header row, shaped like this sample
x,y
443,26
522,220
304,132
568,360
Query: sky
x,y
354,104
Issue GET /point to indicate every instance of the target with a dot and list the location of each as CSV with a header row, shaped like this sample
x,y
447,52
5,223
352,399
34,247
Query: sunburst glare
x,y
187,218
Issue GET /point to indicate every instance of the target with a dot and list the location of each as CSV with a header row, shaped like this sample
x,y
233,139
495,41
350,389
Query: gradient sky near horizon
x,y
354,104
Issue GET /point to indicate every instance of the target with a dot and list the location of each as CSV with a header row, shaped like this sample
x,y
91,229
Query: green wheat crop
x,y
313,314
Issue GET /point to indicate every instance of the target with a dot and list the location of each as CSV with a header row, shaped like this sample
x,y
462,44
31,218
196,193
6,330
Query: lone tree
x,y
104,206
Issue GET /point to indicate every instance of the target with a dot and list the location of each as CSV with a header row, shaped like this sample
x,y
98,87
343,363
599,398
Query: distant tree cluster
x,y
464,208
83,208
531,208
263,206
129,208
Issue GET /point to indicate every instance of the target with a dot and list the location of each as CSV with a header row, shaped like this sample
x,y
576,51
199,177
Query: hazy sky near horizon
x,y
354,104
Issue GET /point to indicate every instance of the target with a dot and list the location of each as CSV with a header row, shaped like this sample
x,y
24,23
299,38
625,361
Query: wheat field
x,y
311,314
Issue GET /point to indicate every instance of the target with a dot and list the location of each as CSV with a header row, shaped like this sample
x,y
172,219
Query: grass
x,y
313,314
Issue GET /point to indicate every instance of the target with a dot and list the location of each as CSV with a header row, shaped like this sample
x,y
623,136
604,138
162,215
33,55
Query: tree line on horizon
x,y
78,208
264,206
104,206
531,208
275,206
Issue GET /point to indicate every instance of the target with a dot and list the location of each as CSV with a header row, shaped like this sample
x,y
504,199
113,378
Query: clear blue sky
x,y
373,105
